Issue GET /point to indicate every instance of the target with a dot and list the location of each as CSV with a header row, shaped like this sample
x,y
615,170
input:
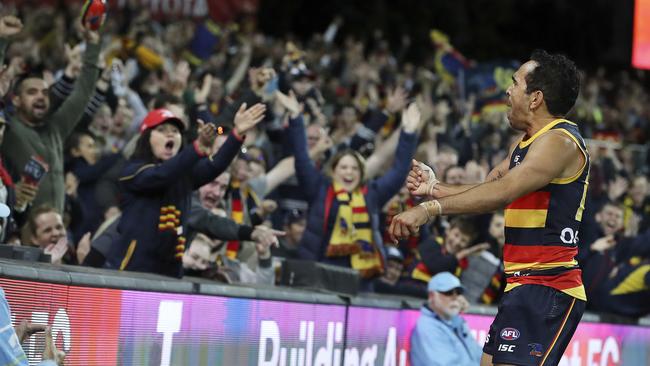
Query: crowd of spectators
x,y
213,150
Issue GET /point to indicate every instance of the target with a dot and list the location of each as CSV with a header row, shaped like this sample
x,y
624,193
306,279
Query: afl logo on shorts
x,y
509,334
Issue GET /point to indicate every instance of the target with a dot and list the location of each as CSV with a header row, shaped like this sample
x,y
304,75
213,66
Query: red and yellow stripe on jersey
x,y
542,227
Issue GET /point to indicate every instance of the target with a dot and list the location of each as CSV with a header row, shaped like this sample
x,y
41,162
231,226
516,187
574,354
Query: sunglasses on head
x,y
454,291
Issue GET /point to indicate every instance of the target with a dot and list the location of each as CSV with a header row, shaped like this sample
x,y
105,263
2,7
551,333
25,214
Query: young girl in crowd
x,y
343,221
156,188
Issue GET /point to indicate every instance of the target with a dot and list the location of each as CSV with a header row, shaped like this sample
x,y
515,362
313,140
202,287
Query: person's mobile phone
x,y
35,170
271,86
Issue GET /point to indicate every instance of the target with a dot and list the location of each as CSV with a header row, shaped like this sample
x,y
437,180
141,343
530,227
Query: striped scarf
x,y
352,232
170,225
242,201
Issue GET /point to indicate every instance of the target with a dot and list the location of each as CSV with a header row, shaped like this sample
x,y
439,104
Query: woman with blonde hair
x,y
343,226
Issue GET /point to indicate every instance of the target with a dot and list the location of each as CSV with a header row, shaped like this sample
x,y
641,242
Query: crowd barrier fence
x,y
102,317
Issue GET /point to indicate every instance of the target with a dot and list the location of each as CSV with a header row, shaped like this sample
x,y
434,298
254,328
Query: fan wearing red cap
x,y
163,130
157,183
160,116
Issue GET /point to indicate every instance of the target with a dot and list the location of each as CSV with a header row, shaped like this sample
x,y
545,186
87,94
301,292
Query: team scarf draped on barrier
x,y
352,232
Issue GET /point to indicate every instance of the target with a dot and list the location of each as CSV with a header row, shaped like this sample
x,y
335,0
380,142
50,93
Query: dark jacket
x,y
201,220
436,259
147,188
315,185
88,176
285,250
625,291
597,266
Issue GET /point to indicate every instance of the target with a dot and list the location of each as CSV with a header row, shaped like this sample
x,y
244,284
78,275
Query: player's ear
x,y
536,99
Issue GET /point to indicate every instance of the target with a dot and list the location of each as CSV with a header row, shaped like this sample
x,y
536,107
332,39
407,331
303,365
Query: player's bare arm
x,y
552,155
419,177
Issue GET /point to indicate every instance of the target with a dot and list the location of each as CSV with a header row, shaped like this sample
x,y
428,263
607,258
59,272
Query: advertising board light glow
x,y
98,326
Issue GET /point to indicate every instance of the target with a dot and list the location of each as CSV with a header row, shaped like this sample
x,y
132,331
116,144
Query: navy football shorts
x,y
533,327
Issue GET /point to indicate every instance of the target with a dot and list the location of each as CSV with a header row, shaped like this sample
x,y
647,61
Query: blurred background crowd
x,y
322,167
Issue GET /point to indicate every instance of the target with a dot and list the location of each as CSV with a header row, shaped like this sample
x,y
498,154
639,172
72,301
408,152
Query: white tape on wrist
x,y
432,185
432,208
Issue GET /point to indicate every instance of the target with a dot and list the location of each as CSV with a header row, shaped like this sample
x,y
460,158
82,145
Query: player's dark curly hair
x,y
557,77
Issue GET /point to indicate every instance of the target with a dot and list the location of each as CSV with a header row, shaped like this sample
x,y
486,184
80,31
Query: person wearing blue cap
x,y
441,336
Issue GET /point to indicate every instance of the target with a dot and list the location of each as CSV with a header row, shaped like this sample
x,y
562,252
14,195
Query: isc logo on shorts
x,y
507,348
509,334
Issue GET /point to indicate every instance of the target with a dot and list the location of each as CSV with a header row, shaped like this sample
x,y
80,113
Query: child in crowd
x,y
87,167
